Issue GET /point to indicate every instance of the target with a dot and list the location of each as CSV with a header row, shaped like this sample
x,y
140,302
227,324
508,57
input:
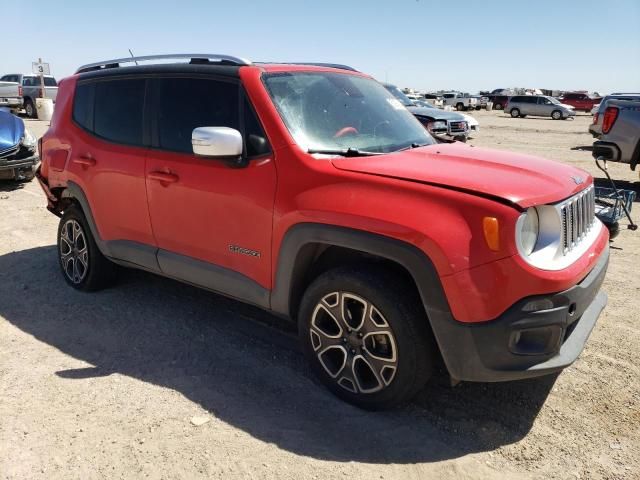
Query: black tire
x,y
459,107
408,337
94,271
30,108
478,107
515,113
556,115
498,106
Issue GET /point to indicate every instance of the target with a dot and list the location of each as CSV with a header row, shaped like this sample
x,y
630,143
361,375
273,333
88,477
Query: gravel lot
x,y
156,379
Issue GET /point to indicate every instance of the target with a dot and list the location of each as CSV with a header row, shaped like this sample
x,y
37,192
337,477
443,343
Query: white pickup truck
x,y
10,95
460,101
31,89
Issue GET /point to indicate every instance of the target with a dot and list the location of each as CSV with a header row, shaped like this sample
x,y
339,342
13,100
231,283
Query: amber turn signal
x,y
491,229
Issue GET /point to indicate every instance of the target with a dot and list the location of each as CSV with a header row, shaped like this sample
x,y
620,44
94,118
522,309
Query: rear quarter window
x,y
83,105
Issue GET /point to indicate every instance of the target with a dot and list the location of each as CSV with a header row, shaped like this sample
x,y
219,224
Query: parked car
x,y
312,192
498,100
580,100
18,155
595,128
31,89
538,105
10,95
440,123
460,101
434,99
481,101
472,122
619,140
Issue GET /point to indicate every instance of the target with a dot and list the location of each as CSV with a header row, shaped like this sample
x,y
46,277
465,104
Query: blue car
x,y
18,153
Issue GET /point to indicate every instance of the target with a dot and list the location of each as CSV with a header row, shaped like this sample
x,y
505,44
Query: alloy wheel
x,y
74,254
353,342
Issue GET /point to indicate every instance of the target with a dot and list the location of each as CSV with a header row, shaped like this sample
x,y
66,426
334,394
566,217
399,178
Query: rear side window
x,y
83,105
187,103
118,108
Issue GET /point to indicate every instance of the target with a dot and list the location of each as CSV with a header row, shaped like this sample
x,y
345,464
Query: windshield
x,y
333,111
553,100
400,95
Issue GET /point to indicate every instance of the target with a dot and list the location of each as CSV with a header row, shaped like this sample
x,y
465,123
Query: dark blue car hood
x,y
436,114
11,130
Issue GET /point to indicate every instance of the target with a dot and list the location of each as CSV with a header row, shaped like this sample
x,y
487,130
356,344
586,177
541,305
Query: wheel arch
x,y
306,251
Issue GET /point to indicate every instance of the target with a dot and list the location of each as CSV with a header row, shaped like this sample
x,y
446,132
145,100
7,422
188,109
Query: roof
x,y
220,64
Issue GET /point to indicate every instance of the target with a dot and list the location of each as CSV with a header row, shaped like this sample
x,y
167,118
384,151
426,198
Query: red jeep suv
x,y
310,191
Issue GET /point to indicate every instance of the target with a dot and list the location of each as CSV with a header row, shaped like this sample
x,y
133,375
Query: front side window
x,y
187,103
118,110
338,112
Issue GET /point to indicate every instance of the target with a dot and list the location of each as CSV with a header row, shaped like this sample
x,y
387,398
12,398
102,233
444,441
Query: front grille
x,y
9,151
578,216
458,127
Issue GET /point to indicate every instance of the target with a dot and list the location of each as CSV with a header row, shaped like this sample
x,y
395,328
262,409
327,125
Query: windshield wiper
x,y
349,152
413,145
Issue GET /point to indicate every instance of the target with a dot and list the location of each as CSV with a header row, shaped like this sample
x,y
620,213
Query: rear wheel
x,y
83,265
498,106
515,113
460,107
366,338
29,108
556,115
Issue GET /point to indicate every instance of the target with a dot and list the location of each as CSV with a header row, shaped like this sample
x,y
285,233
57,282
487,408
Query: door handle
x,y
85,160
163,177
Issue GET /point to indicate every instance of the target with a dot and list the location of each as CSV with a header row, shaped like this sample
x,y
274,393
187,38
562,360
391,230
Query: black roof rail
x,y
194,58
339,66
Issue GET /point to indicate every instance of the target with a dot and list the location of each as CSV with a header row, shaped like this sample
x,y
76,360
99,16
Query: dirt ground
x,y
155,379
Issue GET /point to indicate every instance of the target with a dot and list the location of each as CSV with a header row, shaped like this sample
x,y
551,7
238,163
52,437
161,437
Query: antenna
x,y
131,53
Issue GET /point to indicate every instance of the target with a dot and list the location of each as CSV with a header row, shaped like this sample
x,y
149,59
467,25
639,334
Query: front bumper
x,y
537,336
15,169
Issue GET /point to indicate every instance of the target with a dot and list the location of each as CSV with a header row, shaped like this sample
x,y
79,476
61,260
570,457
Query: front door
x,y
212,221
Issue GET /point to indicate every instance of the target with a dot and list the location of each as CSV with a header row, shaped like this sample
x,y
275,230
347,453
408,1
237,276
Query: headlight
x,y
528,231
28,140
438,124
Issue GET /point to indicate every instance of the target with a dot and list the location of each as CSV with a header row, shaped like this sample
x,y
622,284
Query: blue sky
x,y
464,45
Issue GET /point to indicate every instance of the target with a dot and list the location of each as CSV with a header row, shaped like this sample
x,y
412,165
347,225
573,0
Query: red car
x,y
580,101
310,191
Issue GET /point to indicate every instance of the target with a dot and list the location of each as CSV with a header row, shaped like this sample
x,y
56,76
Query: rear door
x,y
212,221
107,160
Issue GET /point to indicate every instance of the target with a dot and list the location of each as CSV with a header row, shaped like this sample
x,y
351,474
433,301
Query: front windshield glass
x,y
334,111
553,100
400,95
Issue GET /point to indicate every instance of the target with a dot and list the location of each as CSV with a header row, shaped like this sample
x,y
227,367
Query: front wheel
x,y
83,265
515,113
556,115
366,338
498,106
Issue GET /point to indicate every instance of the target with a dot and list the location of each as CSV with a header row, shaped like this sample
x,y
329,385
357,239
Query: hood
x,y
469,119
11,130
522,180
436,114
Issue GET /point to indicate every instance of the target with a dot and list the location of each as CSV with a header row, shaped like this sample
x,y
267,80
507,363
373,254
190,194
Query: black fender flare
x,y
123,252
412,259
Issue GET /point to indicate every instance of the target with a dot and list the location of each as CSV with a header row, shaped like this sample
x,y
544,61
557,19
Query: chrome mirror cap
x,y
216,142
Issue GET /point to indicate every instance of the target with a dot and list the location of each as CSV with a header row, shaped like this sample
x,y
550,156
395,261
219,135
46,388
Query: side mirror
x,y
216,142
